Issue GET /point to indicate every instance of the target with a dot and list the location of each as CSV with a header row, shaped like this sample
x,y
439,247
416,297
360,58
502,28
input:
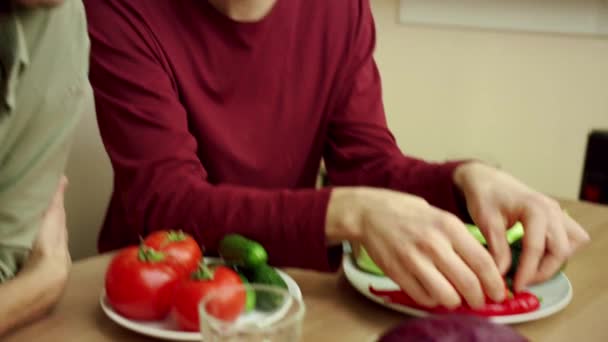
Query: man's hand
x,y
426,251
50,257
40,283
496,201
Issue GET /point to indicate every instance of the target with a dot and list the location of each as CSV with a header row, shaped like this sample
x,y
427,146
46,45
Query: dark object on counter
x,y
594,186
451,328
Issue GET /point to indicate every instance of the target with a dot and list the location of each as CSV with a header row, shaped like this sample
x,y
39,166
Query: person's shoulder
x,y
60,26
70,12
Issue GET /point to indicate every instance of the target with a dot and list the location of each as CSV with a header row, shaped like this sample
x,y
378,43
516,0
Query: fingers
x,y
564,237
493,225
533,246
478,260
53,230
577,236
461,276
57,201
433,281
63,182
399,271
416,274
557,247
416,291
60,192
464,261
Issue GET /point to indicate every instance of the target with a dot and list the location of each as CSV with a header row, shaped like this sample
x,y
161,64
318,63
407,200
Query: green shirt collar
x,y
14,57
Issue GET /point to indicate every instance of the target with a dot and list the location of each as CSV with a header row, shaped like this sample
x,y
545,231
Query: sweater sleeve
x,y
361,150
159,179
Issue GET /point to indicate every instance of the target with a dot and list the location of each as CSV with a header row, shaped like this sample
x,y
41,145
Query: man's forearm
x,y
431,181
28,296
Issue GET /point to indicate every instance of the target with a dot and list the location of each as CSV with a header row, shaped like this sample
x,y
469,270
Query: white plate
x,y
555,293
166,329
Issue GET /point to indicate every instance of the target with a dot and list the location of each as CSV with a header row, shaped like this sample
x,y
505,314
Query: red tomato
x,y
140,284
191,291
181,249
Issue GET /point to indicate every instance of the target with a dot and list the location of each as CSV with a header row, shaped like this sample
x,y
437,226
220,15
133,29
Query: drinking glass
x,y
276,317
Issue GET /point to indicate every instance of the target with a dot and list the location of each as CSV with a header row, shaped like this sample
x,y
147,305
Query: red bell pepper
x,y
518,303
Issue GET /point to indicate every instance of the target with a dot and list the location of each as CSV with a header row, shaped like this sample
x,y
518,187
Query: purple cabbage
x,y
451,328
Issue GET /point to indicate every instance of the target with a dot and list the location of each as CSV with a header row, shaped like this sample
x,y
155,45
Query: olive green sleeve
x,y
51,93
11,259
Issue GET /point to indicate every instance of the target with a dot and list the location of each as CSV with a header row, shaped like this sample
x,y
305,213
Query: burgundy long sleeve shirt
x,y
215,126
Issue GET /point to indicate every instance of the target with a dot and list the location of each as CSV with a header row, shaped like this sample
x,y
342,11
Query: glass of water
x,y
276,316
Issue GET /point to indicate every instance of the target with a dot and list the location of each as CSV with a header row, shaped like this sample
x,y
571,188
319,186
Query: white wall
x,y
524,101
90,184
557,16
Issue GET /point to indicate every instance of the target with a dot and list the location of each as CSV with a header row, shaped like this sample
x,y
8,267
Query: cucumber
x,y
476,233
267,275
515,254
517,245
250,301
516,250
239,250
514,234
366,264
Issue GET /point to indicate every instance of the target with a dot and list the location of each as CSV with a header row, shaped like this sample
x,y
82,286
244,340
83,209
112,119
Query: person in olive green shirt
x,y
44,88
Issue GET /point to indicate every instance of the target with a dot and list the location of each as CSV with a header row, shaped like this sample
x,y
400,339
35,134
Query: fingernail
x,y
503,267
477,303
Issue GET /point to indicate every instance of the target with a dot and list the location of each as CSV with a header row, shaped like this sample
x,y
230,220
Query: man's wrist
x,y
344,215
461,174
46,274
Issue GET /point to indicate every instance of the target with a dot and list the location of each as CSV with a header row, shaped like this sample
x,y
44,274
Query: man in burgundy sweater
x,y
216,114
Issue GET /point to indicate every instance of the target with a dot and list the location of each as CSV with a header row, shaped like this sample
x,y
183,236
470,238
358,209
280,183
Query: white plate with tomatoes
x,y
554,295
167,329
154,289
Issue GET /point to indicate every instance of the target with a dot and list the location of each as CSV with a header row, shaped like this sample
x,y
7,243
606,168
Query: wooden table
x,y
336,312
